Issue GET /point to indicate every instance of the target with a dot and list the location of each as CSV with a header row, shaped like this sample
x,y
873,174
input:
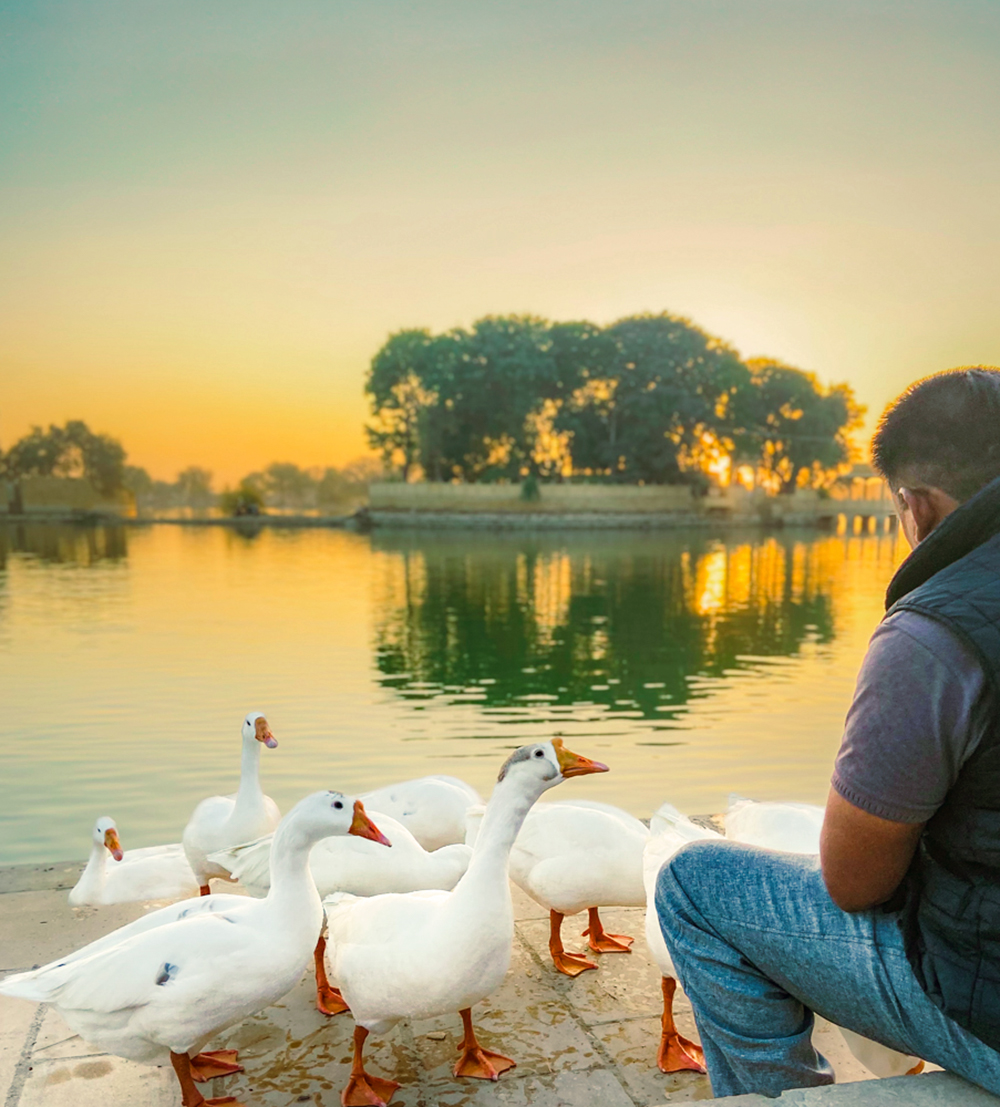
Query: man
x,y
894,931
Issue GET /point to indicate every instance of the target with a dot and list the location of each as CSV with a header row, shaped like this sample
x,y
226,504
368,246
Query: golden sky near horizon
x,y
211,216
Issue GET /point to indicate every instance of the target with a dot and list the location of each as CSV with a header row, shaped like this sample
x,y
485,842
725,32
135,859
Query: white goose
x,y
432,808
222,821
432,953
668,831
795,828
163,986
580,855
356,866
152,872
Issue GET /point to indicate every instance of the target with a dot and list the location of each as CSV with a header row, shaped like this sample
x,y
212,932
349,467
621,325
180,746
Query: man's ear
x,y
927,507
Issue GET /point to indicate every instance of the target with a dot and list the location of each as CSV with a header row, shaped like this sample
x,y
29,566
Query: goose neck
x,y
249,795
505,813
95,875
293,890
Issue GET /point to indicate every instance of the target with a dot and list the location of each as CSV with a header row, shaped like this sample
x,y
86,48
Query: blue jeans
x,y
759,946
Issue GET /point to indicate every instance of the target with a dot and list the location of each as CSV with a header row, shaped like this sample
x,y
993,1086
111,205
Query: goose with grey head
x,y
433,953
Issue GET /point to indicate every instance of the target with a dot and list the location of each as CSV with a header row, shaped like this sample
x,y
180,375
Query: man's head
x,y
939,444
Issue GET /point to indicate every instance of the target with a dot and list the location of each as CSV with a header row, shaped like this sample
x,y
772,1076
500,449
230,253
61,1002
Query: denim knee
x,y
693,868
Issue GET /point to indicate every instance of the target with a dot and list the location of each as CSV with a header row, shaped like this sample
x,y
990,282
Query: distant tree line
x,y
650,398
74,450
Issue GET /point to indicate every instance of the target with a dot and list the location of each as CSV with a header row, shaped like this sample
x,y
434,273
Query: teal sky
x,y
211,215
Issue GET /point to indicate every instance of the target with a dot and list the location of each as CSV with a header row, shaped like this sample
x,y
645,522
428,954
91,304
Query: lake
x,y
694,664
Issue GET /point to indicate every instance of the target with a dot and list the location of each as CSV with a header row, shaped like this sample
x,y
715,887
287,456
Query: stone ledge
x,y
934,1089
47,877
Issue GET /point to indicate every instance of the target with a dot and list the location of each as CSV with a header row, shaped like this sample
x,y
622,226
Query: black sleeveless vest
x,y
950,911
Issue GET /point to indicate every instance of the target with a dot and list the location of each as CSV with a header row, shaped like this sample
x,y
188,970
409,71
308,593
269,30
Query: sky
x,y
212,215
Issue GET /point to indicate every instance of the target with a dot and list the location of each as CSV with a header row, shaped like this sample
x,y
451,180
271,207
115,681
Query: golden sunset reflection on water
x,y
694,664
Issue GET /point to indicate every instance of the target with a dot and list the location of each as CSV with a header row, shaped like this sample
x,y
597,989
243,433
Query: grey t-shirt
x,y
920,709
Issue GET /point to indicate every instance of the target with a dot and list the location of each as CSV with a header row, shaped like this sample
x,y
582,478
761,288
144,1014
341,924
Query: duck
x,y
580,855
432,953
152,872
162,987
432,808
357,866
221,821
795,828
668,831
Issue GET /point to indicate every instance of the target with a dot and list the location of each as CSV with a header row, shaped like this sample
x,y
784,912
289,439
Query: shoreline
x,y
365,521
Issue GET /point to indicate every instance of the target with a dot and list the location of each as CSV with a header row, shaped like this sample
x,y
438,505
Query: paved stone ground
x,y
589,1041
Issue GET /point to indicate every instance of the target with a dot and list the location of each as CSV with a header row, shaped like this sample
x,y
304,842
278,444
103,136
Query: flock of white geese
x,y
400,897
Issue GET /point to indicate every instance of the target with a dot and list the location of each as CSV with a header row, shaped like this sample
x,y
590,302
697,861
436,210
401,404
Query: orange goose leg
x,y
600,941
364,1090
572,964
329,1001
476,1061
190,1096
676,1053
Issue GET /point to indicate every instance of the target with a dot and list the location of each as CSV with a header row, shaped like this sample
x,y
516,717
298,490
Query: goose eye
x,y
539,753
339,806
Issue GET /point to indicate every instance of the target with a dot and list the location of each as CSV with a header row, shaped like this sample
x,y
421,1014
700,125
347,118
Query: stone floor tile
x,y
55,1040
525,1019
16,1018
594,1088
38,927
99,1082
631,1046
622,986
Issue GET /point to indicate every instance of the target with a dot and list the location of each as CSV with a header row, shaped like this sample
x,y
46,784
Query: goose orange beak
x,y
573,764
113,844
262,732
363,827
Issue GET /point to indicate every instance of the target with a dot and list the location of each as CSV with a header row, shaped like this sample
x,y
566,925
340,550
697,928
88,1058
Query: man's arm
x,y
864,858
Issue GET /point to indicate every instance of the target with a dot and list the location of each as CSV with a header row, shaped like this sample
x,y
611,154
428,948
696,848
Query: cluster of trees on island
x,y
650,398
74,450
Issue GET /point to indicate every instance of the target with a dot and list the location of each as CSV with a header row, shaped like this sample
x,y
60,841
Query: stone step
x,y
934,1089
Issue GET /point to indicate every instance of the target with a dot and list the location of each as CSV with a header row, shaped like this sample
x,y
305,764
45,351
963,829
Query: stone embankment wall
x,y
609,505
58,497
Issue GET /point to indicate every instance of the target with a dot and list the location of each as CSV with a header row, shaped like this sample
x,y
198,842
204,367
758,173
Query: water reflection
x,y
63,544
626,624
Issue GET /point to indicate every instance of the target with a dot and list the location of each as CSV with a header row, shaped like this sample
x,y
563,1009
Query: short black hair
x,y
944,431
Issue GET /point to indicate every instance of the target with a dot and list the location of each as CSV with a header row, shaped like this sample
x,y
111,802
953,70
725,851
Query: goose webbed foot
x,y
329,1001
676,1053
475,1061
679,1054
600,941
572,964
190,1096
363,1089
216,1062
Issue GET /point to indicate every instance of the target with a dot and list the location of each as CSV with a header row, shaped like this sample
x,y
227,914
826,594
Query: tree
x,y
286,485
399,396
792,426
245,499
194,487
660,391
72,450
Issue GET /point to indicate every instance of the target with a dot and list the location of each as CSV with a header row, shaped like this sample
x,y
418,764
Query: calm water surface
x,y
694,665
